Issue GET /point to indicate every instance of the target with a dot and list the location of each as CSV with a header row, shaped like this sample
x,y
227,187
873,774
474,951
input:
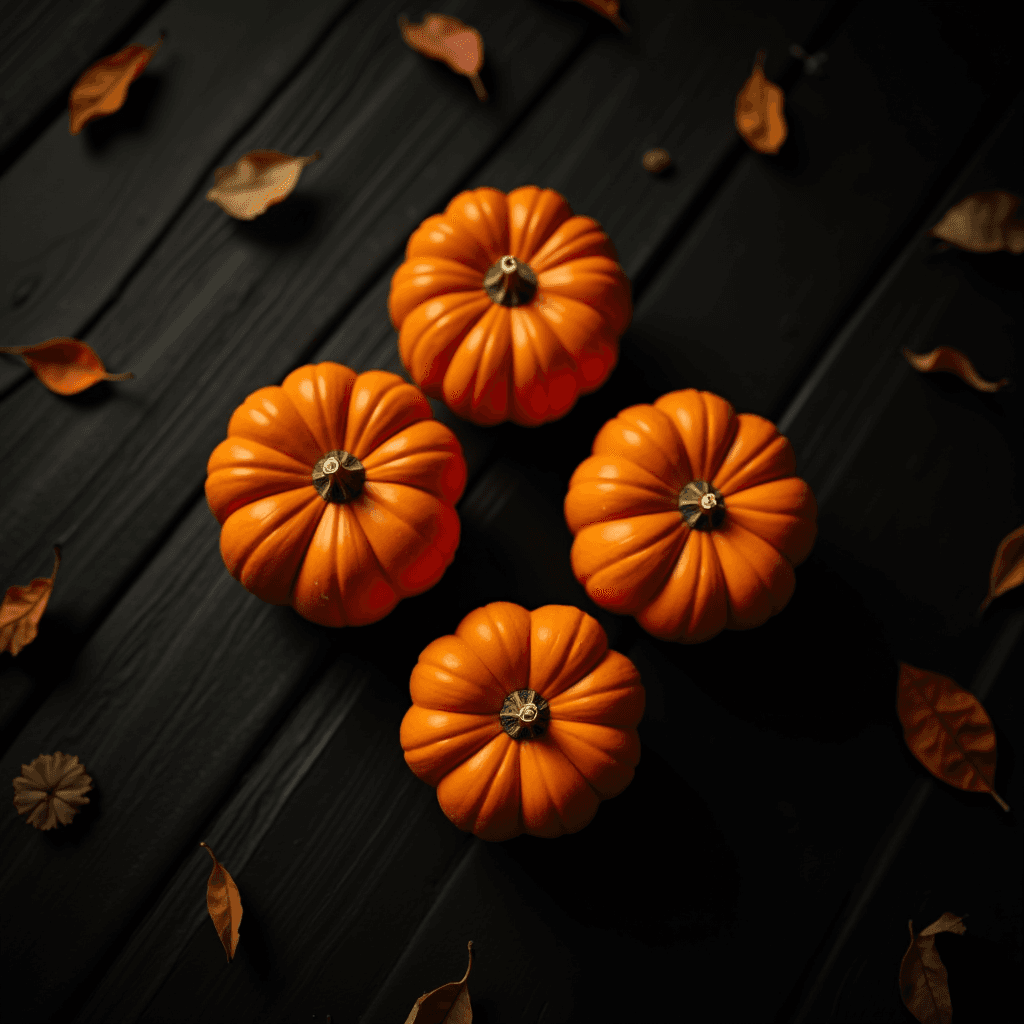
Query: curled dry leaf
x,y
924,984
1007,567
224,904
759,117
448,1004
983,222
51,789
442,37
950,360
65,365
23,607
256,181
608,9
103,87
947,730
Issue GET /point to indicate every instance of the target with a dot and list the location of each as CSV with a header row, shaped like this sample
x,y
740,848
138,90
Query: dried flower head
x,y
51,789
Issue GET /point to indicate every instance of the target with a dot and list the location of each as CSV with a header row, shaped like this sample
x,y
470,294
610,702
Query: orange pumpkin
x,y
508,306
334,492
524,721
689,517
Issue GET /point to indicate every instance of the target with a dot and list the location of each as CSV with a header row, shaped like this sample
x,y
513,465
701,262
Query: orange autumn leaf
x,y
442,37
950,360
924,984
23,607
224,904
1007,567
103,87
608,9
759,116
983,222
947,730
65,365
261,178
448,1004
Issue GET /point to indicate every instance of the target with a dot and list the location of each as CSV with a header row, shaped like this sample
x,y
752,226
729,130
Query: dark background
x,y
778,835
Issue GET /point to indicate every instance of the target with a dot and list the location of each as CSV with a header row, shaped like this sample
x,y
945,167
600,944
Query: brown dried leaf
x,y
924,984
256,181
983,222
947,730
448,1004
442,37
608,9
1007,567
51,789
759,117
951,360
23,607
103,87
65,365
224,904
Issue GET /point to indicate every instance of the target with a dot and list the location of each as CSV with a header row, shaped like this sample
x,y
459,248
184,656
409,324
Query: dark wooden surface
x,y
778,835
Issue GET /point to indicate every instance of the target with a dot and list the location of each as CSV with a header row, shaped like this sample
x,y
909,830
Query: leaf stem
x,y
999,800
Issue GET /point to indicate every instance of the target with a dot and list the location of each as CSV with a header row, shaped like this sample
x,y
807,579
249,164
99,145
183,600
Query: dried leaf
x,y
442,37
608,9
983,222
65,365
947,730
448,1004
224,904
924,984
257,180
23,607
950,360
103,87
1007,567
51,789
759,111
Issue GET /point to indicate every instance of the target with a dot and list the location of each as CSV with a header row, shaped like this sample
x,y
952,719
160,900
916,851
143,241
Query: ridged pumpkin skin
x,y
337,563
490,362
635,553
498,787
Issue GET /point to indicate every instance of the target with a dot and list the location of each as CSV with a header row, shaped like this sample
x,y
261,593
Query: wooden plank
x,y
801,735
44,46
206,556
81,213
131,859
790,243
218,297
964,855
228,301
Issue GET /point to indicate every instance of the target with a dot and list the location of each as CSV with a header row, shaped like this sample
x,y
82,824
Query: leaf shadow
x,y
134,117
287,223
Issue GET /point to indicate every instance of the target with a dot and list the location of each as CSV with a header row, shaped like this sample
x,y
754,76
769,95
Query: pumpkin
x,y
334,493
524,721
508,307
689,517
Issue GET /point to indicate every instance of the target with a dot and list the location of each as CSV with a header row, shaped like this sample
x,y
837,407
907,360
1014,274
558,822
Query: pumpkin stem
x,y
701,505
338,476
510,282
524,714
